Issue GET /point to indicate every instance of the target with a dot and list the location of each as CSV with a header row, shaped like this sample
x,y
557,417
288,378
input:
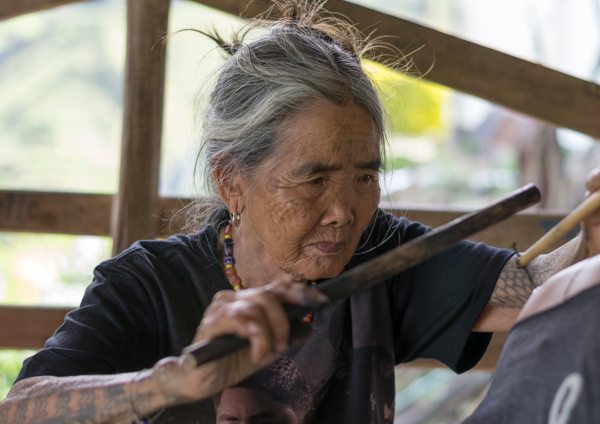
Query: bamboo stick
x,y
561,229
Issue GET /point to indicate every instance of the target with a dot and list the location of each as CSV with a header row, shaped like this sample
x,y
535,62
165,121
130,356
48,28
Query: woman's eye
x,y
316,181
367,178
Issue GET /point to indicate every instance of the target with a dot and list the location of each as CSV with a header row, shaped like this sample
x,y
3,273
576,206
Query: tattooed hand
x,y
253,314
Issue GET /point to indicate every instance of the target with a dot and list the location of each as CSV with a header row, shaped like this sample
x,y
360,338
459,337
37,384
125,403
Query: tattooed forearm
x,y
515,284
513,287
79,400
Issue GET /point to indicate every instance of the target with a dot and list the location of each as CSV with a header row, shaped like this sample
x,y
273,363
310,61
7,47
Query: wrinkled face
x,y
252,406
306,215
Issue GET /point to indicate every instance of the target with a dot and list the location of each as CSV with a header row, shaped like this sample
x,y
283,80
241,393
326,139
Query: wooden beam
x,y
77,213
551,96
88,214
12,8
59,213
28,327
142,124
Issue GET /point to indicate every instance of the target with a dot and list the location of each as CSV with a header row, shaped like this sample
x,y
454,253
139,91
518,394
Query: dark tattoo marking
x,y
513,287
113,392
62,403
117,398
86,398
21,412
39,408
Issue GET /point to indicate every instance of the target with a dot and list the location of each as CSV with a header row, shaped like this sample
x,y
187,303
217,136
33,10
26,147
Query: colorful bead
x,y
228,260
230,271
235,280
307,318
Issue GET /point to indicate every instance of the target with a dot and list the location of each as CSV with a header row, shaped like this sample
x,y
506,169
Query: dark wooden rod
x,y
393,262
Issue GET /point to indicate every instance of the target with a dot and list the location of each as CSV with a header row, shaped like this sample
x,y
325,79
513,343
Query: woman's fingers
x,y
258,316
593,181
591,224
245,318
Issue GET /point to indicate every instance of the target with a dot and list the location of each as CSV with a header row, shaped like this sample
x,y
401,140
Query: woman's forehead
x,y
326,128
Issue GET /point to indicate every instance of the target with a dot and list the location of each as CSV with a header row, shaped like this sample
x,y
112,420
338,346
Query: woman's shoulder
x,y
200,245
183,258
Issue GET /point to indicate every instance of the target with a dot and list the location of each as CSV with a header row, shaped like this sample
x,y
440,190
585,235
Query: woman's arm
x,y
82,399
253,314
514,286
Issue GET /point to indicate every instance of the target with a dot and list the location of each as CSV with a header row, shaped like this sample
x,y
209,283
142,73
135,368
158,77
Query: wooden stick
x,y
384,266
561,229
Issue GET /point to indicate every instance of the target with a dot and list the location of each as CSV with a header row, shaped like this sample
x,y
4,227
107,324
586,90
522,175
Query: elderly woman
x,y
293,144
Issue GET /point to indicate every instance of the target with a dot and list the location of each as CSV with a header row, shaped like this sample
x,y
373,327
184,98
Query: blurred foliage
x,y
414,106
10,365
61,79
47,268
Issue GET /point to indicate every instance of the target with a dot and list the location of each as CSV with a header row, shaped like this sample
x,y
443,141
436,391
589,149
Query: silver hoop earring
x,y
236,220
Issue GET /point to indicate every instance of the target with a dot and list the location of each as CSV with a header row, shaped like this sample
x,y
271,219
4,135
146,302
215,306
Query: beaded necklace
x,y
234,280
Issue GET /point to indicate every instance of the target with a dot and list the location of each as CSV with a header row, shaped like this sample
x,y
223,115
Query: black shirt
x,y
146,304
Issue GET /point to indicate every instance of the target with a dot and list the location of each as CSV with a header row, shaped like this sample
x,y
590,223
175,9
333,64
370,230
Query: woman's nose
x,y
339,209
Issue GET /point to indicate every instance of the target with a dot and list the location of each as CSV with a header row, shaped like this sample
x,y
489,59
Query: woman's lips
x,y
330,248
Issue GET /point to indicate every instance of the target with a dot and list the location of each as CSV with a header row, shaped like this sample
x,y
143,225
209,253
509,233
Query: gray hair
x,y
300,59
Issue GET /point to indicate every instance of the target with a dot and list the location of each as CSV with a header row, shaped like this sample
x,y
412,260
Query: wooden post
x,y
137,199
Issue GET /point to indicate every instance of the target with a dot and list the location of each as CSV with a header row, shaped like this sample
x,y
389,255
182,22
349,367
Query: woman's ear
x,y
231,187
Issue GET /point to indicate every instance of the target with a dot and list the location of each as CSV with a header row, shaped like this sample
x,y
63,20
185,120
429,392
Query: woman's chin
x,y
327,267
